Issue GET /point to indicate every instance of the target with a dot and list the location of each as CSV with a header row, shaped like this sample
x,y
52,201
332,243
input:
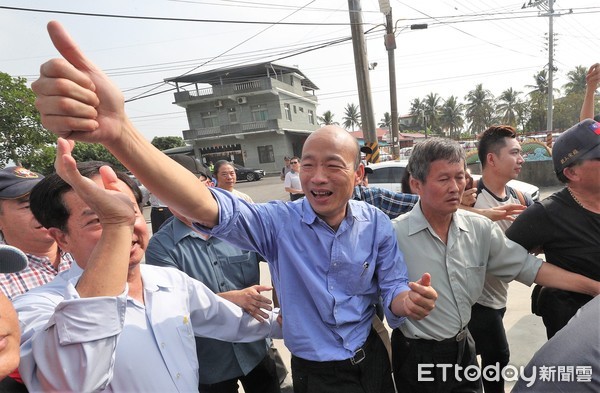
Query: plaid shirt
x,y
391,203
38,272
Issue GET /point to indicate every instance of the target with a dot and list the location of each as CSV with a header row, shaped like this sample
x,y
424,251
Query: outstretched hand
x,y
420,299
108,201
592,78
76,100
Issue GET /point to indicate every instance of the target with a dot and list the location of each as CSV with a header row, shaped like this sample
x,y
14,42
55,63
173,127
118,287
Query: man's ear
x,y
60,238
415,185
359,174
570,173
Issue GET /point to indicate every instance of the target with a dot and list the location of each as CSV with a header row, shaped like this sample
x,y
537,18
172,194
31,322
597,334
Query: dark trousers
x,y
158,215
371,375
557,307
487,329
262,379
415,361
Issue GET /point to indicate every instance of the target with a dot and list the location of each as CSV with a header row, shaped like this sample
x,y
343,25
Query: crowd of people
x,y
429,261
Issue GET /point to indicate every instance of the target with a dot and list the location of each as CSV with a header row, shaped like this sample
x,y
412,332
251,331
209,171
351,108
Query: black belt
x,y
359,355
450,343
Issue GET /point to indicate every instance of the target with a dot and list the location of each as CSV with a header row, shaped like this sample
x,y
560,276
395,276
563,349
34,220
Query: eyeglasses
x,y
293,162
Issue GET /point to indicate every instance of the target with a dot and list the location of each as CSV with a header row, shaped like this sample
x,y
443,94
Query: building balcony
x,y
231,129
230,91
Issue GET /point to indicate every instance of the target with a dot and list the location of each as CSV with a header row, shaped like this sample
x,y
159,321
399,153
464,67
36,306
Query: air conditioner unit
x,y
242,100
218,104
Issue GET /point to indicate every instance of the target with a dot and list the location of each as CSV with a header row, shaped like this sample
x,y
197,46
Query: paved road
x,y
525,331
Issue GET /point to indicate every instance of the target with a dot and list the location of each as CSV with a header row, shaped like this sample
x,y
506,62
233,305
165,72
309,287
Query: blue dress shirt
x,y
221,267
327,281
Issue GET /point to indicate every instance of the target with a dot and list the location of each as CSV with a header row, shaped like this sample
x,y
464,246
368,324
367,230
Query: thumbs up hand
x,y
420,300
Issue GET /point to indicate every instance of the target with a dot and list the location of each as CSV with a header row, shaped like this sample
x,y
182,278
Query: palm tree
x,y
386,121
576,83
351,116
479,108
417,111
508,106
538,97
451,118
327,119
432,111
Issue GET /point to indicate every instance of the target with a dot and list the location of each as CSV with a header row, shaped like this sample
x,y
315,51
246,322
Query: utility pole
x,y
549,126
390,45
362,80
548,6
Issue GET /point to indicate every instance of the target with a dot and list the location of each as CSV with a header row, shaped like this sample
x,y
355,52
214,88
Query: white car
x,y
389,175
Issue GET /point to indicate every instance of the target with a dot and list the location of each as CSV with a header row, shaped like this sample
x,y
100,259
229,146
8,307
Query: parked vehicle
x,y
389,175
249,174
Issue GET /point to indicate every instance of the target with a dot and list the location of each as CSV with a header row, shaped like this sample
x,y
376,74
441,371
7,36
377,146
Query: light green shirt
x,y
476,246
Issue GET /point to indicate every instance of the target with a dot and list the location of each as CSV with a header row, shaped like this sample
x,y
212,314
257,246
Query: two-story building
x,y
253,115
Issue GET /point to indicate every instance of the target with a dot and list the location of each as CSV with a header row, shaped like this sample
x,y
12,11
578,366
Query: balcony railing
x,y
231,129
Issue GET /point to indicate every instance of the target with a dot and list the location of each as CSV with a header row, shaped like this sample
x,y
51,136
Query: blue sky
x,y
467,42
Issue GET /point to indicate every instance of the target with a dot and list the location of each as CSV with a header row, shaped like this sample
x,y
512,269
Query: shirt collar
x,y
153,280
417,221
181,231
355,211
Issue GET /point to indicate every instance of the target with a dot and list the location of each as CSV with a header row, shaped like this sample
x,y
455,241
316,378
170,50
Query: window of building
x,y
311,116
301,109
232,115
266,154
210,119
259,112
295,109
288,112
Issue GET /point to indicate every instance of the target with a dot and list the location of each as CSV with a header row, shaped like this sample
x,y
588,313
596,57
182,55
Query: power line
x,y
159,18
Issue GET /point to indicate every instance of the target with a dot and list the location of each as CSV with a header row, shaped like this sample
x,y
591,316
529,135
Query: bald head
x,y
339,138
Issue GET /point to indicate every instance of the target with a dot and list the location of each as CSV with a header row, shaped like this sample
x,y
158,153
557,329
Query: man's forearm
x,y
556,277
170,182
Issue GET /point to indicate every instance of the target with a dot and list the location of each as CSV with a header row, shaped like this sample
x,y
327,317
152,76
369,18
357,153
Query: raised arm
x,y
76,100
591,84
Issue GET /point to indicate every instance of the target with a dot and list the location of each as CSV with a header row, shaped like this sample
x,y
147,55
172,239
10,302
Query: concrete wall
x,y
539,173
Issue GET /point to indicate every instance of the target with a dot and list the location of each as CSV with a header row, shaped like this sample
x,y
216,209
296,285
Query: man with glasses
x,y
566,225
292,180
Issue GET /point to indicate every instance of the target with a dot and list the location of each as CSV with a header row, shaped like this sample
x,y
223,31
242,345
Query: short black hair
x,y
46,200
492,140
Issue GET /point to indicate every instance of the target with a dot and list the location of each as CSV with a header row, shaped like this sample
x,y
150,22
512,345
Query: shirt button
x,y
162,345
178,375
215,263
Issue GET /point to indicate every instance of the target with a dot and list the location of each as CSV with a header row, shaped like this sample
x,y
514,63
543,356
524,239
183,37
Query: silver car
x,y
389,175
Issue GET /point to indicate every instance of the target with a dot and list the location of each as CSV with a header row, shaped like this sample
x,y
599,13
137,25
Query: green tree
x,y
576,81
479,109
95,152
538,99
327,119
351,116
386,121
41,160
417,111
21,133
508,106
451,118
431,111
167,142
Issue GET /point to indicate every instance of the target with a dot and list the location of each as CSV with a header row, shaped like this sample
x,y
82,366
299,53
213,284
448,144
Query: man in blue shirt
x,y
326,279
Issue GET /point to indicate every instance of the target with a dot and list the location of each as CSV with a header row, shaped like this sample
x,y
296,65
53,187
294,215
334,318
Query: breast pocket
x,y
242,269
475,280
358,278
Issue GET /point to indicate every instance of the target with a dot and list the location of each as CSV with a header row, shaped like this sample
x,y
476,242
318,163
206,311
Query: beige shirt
x,y
476,246
495,291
